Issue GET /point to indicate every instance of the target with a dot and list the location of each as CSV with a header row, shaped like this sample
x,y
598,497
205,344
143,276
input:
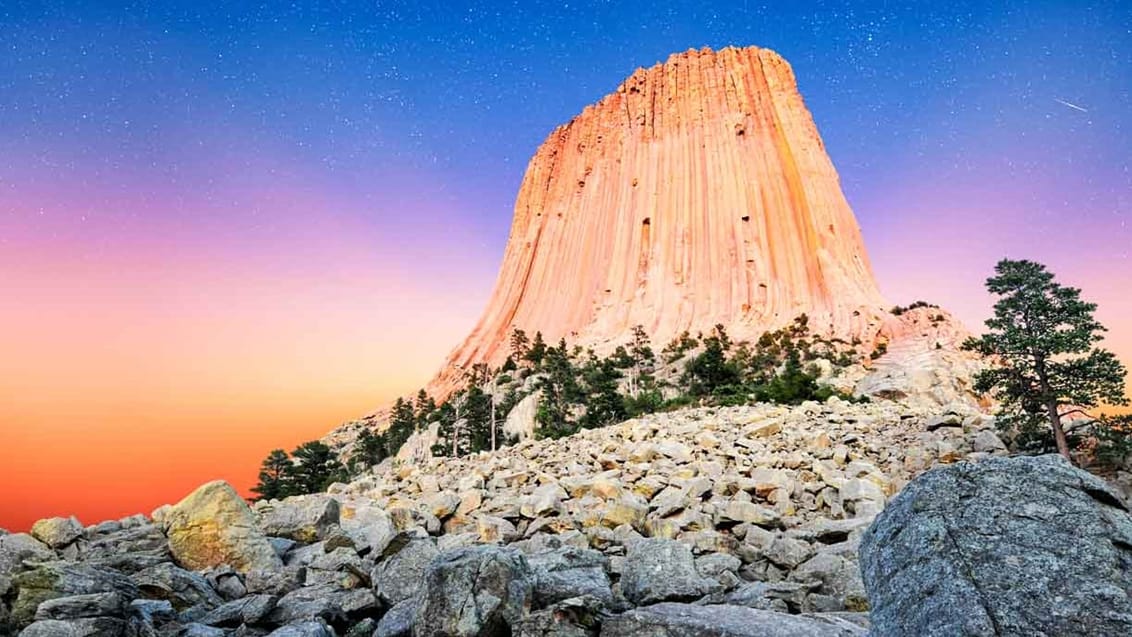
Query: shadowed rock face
x,y
698,193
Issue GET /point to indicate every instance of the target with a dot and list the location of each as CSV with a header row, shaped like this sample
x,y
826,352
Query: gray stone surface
x,y
399,576
1019,546
685,620
313,628
398,621
474,591
109,604
89,627
182,588
570,572
61,579
303,519
17,547
658,570
574,617
249,610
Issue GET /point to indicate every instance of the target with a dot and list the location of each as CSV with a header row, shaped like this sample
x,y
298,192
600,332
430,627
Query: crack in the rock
x,y
968,573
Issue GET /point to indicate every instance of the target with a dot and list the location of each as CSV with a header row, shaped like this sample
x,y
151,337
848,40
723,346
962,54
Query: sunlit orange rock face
x,y
699,192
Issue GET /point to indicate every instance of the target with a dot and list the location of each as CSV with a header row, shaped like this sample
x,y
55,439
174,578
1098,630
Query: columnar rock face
x,y
698,193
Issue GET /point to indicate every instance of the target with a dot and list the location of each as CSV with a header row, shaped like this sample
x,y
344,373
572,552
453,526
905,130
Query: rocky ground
x,y
735,521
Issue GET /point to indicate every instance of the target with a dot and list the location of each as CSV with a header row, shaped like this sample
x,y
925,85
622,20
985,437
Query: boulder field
x,y
824,519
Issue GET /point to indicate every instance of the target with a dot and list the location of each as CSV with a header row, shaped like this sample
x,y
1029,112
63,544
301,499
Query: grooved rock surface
x,y
1007,546
699,192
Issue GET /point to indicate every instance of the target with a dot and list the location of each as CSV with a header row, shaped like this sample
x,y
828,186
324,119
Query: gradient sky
x,y
227,230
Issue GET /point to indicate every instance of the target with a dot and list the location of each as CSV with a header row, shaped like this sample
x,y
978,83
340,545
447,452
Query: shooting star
x,y
1071,105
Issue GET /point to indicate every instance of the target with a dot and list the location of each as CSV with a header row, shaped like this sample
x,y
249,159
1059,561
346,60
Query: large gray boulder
x,y
89,627
574,617
304,518
398,621
183,589
62,579
474,592
399,575
109,604
1007,546
658,570
570,572
685,620
17,547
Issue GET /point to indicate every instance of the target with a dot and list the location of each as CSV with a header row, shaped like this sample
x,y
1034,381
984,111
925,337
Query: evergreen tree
x,y
402,423
710,370
520,344
559,389
620,358
604,403
369,450
423,410
453,438
537,351
315,467
1042,338
477,414
644,361
792,385
273,476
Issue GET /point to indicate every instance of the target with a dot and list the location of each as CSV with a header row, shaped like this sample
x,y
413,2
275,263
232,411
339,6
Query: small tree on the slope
x,y
273,476
402,424
369,450
1043,338
537,351
423,410
559,388
604,403
315,468
710,370
520,344
640,352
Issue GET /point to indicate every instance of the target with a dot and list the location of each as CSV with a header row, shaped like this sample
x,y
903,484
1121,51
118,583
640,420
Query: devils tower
x,y
699,192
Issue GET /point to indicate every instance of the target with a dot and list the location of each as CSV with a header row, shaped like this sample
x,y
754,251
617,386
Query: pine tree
x,y
452,438
273,476
710,370
423,410
520,344
644,361
315,468
559,389
1042,339
604,403
477,416
537,351
402,423
369,450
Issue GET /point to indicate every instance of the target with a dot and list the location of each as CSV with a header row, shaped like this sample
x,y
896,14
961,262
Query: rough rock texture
x,y
1021,546
474,591
659,570
53,580
213,526
699,192
683,620
15,548
57,532
300,519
